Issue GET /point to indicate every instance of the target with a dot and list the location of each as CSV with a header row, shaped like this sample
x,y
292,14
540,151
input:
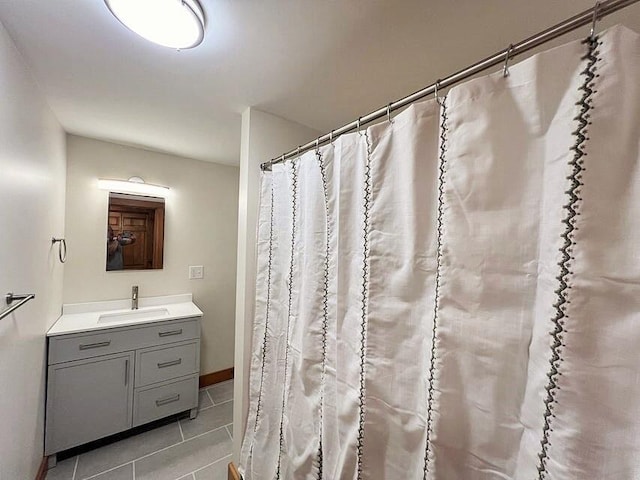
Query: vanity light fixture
x,y
176,24
135,185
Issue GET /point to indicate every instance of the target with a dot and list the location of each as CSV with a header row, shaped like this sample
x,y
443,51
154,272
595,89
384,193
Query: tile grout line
x,y
193,474
201,409
227,428
75,467
109,470
198,436
210,397
180,427
153,453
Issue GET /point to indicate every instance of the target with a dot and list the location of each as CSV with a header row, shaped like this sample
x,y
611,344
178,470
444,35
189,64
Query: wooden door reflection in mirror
x,y
135,232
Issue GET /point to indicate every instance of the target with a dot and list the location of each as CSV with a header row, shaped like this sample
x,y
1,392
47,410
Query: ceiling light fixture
x,y
171,23
135,185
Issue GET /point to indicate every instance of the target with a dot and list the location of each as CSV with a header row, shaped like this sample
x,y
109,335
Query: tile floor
x,y
177,449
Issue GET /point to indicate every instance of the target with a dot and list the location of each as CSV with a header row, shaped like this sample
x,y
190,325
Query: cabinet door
x,y
88,399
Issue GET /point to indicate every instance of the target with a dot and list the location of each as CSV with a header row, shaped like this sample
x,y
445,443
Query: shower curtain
x,y
455,293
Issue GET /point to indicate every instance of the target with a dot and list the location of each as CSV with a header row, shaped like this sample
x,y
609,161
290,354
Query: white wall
x,y
264,136
32,186
200,229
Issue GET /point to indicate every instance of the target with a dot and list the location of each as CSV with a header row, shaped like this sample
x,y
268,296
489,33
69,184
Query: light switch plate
x,y
196,272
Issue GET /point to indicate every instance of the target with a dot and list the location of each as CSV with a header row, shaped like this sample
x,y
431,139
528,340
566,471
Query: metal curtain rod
x,y
12,297
600,10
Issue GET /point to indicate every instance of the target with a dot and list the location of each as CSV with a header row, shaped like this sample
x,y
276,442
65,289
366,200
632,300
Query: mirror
x,y
135,232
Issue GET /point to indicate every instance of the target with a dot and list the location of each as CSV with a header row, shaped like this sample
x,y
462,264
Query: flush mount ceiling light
x,y
170,23
135,185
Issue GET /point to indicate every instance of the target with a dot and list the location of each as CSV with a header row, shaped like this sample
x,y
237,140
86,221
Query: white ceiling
x,y
321,63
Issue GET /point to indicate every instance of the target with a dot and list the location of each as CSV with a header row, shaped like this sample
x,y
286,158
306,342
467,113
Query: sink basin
x,y
127,316
94,316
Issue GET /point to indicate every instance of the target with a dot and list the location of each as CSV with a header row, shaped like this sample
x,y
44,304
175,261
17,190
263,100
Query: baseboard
x,y
233,472
42,471
216,377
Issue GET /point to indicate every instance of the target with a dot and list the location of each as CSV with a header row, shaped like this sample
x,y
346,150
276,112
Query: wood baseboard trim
x,y
42,471
233,472
216,377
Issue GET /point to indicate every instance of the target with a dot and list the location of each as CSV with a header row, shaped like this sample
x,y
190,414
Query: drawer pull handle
x,y
170,333
89,346
170,363
165,401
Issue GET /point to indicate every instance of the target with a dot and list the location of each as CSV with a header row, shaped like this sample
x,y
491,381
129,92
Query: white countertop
x,y
87,317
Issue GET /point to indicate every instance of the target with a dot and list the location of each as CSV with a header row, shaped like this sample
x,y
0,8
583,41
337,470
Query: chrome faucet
x,y
134,297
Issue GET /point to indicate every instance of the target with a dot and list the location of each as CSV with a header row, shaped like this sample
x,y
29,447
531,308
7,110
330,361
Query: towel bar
x,y
12,297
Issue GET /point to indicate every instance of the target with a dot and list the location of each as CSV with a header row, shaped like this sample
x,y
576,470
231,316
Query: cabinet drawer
x,y
151,403
159,364
65,348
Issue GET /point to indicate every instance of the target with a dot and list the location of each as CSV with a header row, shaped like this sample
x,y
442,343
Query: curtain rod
x,y
597,12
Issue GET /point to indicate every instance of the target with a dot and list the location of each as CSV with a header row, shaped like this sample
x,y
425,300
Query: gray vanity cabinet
x,y
106,381
89,399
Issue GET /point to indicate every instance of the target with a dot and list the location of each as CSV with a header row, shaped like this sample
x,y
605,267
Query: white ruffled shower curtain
x,y
456,294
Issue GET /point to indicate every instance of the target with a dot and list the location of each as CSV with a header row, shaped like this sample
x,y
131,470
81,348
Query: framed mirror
x,y
135,232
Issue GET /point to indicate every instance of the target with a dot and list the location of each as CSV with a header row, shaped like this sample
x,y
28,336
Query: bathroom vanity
x,y
111,368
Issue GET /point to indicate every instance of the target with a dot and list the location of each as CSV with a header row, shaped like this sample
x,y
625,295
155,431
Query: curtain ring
x,y
358,125
317,145
505,68
596,9
298,151
331,137
62,248
435,91
389,119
